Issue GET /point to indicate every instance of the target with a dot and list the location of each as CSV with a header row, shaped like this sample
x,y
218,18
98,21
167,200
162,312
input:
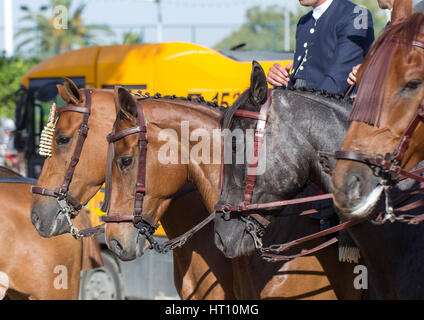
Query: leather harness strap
x,y
277,257
416,43
273,253
270,205
262,118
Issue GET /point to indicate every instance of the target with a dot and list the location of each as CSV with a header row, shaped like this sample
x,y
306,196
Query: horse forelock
x,y
372,89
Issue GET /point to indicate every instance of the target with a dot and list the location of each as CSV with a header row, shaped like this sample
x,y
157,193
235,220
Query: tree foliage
x,y
130,37
264,28
48,40
11,72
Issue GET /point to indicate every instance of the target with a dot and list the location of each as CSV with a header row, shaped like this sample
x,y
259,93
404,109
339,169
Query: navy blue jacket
x,y
331,47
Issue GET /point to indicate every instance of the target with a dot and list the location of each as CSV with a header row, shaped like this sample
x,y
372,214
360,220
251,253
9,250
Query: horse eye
x,y
413,84
125,162
62,140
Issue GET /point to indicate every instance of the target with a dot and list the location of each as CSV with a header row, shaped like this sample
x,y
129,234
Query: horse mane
x,y
198,99
323,97
318,96
372,88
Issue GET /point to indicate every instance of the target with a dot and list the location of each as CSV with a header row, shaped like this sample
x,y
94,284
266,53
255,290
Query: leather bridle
x,y
69,206
247,212
388,167
245,208
61,193
146,225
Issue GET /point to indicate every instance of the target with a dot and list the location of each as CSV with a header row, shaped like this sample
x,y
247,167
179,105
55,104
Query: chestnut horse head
x,y
88,173
144,177
391,91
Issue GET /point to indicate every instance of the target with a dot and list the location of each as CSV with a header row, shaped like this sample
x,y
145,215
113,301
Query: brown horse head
x,y
166,172
390,92
89,172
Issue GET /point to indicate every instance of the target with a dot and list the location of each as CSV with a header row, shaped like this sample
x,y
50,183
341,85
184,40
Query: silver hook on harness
x,y
252,229
390,215
67,212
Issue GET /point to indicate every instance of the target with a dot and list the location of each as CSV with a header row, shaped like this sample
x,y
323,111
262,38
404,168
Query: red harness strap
x,y
262,118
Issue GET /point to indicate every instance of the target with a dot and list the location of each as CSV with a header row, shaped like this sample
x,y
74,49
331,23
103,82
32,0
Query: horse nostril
x,y
116,246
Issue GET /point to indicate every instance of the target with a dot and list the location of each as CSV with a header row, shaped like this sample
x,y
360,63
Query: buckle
x,y
83,129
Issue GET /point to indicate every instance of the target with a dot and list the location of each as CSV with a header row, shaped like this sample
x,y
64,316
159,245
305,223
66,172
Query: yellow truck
x,y
176,68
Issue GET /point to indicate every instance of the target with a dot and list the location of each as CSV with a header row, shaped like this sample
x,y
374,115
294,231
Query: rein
x,y
69,206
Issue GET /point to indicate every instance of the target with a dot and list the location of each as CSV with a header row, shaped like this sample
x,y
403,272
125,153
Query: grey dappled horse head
x,y
301,123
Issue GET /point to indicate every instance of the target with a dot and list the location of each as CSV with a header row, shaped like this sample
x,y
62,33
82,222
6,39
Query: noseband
x,y
146,225
69,206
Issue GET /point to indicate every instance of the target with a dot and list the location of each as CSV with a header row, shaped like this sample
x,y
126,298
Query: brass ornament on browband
x,y
46,140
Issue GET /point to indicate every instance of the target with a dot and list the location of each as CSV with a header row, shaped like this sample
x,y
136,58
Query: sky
x,y
201,21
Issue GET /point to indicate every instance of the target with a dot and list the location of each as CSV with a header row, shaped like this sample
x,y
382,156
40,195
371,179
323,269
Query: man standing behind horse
x,y
384,5
330,40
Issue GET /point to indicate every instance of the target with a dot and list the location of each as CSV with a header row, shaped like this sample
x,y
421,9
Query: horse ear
x,y
69,91
401,10
124,100
258,84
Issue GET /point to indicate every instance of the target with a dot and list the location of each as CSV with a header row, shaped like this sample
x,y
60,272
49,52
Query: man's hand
x,y
352,76
278,75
